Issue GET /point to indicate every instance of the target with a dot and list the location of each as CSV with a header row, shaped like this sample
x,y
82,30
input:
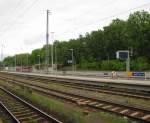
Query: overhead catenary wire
x,y
27,9
13,10
18,17
105,18
88,24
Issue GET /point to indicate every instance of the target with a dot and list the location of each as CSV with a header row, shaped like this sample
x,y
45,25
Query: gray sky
x,y
22,22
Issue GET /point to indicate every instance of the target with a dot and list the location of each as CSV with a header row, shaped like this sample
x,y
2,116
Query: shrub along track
x,y
133,112
81,85
21,111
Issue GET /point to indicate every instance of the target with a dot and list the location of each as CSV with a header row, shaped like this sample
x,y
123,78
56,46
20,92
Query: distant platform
x,y
92,79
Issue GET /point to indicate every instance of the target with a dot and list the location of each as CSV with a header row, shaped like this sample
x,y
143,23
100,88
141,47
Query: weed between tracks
x,y
66,113
121,99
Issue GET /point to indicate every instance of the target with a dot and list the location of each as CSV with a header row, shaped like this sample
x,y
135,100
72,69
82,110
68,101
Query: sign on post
x,y
124,55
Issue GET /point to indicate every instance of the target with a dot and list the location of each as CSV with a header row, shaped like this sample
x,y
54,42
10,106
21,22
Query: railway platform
x,y
92,79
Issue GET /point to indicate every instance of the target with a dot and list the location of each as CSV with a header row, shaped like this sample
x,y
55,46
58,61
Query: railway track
x,y
90,88
21,111
137,113
90,84
119,87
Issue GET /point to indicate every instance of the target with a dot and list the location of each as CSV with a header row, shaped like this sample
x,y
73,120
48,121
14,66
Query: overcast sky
x,y
23,22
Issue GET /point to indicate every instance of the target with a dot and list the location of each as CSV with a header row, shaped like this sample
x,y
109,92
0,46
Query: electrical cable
x,y
18,17
106,18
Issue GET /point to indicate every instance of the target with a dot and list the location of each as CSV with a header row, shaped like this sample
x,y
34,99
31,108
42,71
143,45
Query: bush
x,y
113,65
66,113
140,64
89,65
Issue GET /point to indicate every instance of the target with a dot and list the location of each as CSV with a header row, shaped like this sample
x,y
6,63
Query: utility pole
x,y
39,62
2,56
15,62
2,46
128,62
1,52
72,59
21,65
47,42
27,60
56,56
52,54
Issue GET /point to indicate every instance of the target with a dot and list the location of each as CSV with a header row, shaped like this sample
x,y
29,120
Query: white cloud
x,y
23,26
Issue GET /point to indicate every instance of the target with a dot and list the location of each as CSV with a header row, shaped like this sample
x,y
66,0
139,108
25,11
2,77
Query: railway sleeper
x,y
28,118
24,114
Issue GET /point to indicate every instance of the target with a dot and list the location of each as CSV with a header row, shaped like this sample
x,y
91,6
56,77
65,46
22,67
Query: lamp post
x,y
39,62
15,62
21,58
2,49
27,60
52,51
21,65
72,59
128,62
55,46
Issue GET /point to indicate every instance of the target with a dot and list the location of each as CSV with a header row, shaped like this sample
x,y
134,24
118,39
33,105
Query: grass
x,y
105,118
67,113
64,112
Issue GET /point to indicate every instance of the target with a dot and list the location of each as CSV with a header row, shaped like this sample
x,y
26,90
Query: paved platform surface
x,y
100,79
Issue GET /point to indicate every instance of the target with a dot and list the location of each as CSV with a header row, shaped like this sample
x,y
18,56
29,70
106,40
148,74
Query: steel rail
x,y
134,112
108,91
28,105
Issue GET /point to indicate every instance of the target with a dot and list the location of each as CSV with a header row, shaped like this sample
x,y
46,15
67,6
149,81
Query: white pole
x,y
72,59
27,63
145,75
39,63
2,51
56,57
128,62
47,42
52,54
15,62
21,64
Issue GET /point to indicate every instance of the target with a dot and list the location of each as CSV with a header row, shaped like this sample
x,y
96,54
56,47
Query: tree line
x,y
97,50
